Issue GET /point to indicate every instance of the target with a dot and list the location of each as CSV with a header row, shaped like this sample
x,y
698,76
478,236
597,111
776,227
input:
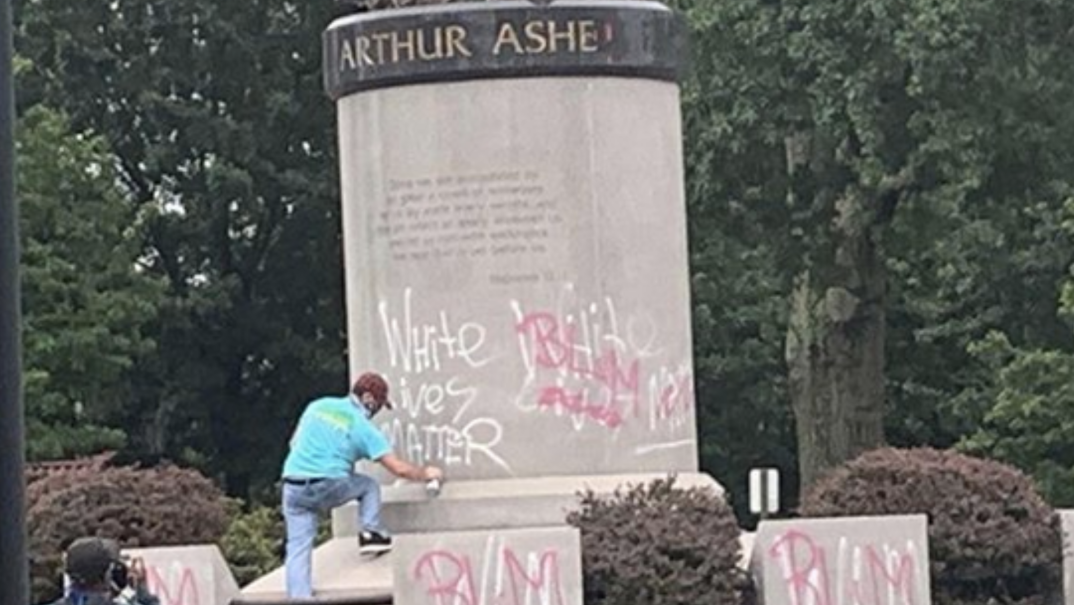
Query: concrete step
x,y
495,504
340,573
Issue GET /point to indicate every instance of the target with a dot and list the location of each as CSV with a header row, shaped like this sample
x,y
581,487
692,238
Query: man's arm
x,y
401,468
137,591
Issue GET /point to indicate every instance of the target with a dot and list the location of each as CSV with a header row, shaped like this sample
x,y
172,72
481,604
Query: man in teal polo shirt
x,y
318,474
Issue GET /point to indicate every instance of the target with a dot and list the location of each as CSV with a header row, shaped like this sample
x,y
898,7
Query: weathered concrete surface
x,y
746,540
499,504
502,567
516,264
1066,518
188,575
339,570
843,560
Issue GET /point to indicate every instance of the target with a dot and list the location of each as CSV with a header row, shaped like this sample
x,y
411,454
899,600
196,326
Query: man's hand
x,y
401,468
433,473
137,573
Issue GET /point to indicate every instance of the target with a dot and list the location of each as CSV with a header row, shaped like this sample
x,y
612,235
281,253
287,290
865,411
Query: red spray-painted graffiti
x,y
553,397
448,579
177,586
867,574
595,372
676,396
457,587
555,346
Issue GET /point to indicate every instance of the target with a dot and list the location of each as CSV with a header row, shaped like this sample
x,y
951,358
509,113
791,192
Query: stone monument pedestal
x,y
515,255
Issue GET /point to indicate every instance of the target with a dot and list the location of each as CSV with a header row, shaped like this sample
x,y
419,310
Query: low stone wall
x,y
1066,518
188,575
507,567
845,560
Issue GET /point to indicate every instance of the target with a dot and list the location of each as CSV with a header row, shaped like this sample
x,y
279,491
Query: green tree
x,y
873,185
1029,423
86,298
224,141
1025,415
739,316
849,132
995,269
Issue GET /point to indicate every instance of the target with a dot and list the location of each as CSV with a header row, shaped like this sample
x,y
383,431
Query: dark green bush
x,y
992,538
160,506
660,545
253,543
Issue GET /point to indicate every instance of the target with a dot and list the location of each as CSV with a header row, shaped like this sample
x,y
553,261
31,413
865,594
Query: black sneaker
x,y
371,541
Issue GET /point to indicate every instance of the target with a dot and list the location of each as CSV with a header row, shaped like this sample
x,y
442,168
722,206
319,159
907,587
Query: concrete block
x,y
1066,518
843,561
188,575
746,541
504,567
339,572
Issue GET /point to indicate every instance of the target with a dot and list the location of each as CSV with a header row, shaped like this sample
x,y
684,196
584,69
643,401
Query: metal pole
x,y
14,568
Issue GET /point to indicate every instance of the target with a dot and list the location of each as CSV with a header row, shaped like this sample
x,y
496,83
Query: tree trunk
x,y
835,345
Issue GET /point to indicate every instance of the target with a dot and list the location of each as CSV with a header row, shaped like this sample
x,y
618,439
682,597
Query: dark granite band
x,y
509,39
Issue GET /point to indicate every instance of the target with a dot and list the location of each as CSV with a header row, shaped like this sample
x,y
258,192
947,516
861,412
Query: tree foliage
x,y
222,138
1025,414
254,542
88,303
889,159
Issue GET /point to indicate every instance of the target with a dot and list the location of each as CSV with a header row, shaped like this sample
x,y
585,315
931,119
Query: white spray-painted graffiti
x,y
434,426
418,346
866,573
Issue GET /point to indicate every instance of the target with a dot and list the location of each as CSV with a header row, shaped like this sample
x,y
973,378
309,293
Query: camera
x,y
119,574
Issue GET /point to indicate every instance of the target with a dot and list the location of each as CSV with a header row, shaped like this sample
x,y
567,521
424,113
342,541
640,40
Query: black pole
x,y
14,568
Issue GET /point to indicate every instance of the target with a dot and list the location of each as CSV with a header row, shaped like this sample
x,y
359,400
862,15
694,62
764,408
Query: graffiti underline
x,y
645,449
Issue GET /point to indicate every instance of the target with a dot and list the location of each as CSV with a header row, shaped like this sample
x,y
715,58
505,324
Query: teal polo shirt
x,y
332,434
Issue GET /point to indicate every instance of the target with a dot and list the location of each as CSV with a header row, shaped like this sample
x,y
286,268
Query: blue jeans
x,y
301,506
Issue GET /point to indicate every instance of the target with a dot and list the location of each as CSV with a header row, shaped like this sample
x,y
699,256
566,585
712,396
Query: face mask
x,y
370,409
375,409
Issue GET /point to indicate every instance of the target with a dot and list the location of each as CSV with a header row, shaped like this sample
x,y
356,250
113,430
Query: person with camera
x,y
332,435
96,574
